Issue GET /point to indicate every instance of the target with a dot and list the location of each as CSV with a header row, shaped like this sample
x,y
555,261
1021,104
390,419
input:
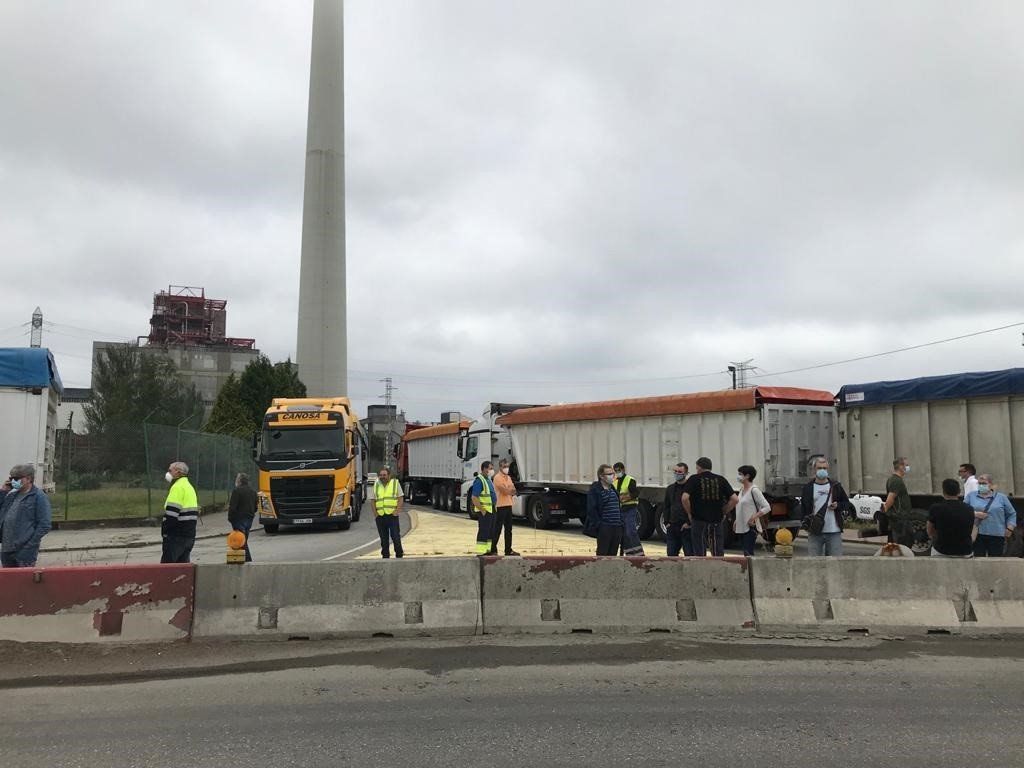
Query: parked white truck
x,y
775,429
30,391
554,450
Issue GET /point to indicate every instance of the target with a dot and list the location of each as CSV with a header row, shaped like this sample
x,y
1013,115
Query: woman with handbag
x,y
997,517
751,507
823,502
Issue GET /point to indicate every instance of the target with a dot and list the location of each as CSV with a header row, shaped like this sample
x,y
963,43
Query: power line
x,y
890,352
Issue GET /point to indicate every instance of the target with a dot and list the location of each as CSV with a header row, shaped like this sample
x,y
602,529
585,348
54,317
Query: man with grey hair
x,y
242,509
24,518
181,511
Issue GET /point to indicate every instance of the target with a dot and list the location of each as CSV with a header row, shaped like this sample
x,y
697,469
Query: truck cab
x,y
311,460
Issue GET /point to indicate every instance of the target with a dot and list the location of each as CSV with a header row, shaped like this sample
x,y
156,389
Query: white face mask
x,y
490,473
740,479
504,470
169,477
610,479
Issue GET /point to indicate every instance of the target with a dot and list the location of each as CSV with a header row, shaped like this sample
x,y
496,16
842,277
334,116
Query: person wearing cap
x,y
25,517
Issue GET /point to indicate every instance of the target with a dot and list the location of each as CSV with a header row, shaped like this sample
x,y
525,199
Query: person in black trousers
x,y
242,509
604,512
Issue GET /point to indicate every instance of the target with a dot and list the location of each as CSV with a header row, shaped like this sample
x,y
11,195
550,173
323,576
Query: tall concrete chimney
x,y
322,352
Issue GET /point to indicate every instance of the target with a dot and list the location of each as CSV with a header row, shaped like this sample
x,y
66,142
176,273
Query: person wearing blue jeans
x,y
826,499
997,516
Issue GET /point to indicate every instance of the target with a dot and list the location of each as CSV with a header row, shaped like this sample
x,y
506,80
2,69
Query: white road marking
x,y
350,551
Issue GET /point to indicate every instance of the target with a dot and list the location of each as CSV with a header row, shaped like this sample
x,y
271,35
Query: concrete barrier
x,y
96,603
350,598
615,595
889,594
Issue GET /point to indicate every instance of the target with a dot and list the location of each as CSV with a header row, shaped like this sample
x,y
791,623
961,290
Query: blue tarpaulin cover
x,y
29,367
952,386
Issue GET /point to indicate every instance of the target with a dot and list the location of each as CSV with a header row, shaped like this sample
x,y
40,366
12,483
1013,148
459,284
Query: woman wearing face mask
x,y
751,507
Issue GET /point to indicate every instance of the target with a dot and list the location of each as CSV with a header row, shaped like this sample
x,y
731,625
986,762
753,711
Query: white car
x,y
866,506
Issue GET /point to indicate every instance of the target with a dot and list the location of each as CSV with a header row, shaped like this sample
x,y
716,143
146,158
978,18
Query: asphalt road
x,y
541,702
288,545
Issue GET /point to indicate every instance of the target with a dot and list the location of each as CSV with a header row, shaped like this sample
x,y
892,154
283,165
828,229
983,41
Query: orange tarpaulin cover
x,y
435,431
670,405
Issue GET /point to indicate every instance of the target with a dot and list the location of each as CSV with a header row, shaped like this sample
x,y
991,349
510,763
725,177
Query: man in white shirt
x,y
967,472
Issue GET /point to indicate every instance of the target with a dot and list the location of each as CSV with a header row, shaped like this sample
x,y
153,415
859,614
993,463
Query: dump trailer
x,y
30,391
778,430
311,460
430,468
937,423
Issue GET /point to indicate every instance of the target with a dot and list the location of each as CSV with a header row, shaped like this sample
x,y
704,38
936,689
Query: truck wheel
x,y
537,513
435,497
357,507
410,492
452,504
661,518
270,528
344,525
648,519
922,543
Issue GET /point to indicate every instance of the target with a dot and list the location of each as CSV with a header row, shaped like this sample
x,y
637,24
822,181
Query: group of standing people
x,y
980,523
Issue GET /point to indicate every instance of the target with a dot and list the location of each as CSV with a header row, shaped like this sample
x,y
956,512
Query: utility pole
x,y
739,371
37,329
388,390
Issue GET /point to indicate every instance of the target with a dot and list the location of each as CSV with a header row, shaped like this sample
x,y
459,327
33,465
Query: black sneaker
x,y
512,553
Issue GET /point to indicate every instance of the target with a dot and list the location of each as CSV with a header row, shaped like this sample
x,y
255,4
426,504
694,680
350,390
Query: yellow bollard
x,y
783,543
236,547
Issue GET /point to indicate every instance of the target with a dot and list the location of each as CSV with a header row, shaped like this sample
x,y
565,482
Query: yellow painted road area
x,y
446,534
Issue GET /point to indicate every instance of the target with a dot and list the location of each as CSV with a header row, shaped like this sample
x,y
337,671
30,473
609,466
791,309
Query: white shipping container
x,y
936,436
777,437
434,457
29,397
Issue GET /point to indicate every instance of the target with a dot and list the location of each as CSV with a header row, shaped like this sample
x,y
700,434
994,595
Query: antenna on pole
x,y
37,329
388,391
739,371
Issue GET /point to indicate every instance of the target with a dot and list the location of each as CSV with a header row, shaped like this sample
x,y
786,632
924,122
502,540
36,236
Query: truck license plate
x,y
303,521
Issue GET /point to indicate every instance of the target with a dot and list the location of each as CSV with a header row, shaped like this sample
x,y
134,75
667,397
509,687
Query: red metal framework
x,y
183,315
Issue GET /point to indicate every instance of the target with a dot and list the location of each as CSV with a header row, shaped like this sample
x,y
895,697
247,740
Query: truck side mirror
x,y
461,450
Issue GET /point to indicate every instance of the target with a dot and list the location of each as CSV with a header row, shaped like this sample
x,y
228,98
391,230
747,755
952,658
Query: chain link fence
x,y
119,473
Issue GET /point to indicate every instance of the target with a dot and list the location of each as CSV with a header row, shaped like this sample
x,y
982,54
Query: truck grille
x,y
301,496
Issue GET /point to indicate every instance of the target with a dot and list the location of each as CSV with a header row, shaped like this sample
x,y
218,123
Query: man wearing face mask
x,y
677,524
506,489
181,511
483,498
604,512
24,518
897,506
630,504
826,499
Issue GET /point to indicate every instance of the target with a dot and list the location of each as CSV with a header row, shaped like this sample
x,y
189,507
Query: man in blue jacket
x,y
24,519
604,512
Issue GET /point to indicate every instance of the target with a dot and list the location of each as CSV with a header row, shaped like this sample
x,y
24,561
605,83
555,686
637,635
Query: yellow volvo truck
x,y
312,459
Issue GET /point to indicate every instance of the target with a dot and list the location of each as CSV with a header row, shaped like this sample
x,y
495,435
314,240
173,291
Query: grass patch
x,y
109,502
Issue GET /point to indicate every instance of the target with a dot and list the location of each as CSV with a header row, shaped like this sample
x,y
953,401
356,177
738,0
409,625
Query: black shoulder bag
x,y
814,523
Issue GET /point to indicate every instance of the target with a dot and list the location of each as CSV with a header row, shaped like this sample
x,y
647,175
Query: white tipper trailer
x,y
778,430
30,391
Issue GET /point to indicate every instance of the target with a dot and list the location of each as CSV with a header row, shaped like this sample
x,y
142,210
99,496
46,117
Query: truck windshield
x,y
303,444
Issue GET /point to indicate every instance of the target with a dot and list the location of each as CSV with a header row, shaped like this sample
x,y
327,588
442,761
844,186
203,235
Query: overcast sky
x,y
557,201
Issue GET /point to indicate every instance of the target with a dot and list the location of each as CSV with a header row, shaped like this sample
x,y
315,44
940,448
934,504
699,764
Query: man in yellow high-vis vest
x,y
630,500
387,504
483,498
181,511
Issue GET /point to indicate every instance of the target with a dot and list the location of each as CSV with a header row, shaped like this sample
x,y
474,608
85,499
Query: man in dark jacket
x,y
24,518
242,509
677,524
825,498
604,512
